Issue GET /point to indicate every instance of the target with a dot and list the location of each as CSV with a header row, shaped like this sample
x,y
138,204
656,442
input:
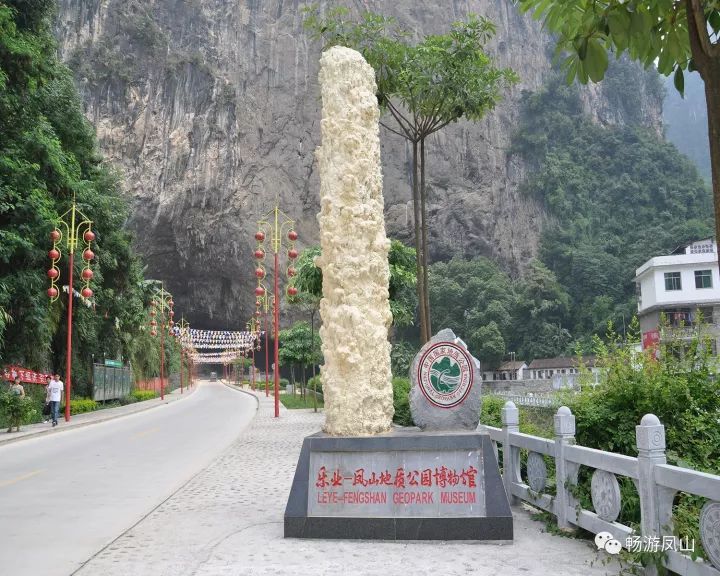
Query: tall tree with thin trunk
x,y
423,86
675,35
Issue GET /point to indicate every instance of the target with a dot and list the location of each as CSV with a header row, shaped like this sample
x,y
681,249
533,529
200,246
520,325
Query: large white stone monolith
x,y
355,311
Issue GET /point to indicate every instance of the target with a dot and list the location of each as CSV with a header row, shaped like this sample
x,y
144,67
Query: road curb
x,y
73,426
246,392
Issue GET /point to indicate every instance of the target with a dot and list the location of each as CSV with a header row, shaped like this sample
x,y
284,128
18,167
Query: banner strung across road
x,y
216,339
216,358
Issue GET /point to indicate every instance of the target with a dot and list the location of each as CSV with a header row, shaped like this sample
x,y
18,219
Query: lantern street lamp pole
x,y
77,226
263,302
254,328
184,326
164,302
273,225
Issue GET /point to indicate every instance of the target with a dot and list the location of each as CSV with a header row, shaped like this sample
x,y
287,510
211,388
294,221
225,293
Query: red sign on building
x,y
650,339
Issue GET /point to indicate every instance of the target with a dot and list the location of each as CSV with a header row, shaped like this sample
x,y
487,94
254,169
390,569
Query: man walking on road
x,y
53,395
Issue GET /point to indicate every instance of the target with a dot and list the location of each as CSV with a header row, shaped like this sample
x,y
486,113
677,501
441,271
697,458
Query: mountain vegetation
x,y
675,37
48,159
616,196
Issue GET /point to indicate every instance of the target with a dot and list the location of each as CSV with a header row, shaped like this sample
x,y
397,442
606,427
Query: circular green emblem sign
x,y
445,374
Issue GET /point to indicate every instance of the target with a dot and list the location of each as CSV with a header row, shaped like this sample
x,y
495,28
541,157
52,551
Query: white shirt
x,y
54,390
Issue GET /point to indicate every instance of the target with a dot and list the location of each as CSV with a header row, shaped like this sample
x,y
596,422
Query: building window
x,y
672,281
703,279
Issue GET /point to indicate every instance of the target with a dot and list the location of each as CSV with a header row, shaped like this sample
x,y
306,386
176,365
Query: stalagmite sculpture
x,y
355,310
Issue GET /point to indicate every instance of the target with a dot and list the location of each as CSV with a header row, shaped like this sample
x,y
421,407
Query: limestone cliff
x,y
210,108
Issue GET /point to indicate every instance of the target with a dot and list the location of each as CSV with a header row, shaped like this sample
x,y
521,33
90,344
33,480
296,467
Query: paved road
x,y
65,496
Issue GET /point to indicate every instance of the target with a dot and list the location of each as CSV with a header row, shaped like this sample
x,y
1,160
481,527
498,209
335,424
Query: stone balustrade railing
x,y
657,484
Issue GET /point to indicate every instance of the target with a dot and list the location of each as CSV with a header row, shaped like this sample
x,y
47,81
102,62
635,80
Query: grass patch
x,y
293,402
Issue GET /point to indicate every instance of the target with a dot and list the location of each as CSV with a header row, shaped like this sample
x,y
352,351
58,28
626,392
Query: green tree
x,y
424,86
676,36
299,345
476,299
541,315
489,344
401,261
48,157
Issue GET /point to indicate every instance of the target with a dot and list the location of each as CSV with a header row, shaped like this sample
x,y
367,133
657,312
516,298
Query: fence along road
x,y
65,496
656,481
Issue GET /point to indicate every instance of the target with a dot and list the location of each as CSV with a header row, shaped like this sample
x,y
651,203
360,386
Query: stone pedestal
x,y
399,486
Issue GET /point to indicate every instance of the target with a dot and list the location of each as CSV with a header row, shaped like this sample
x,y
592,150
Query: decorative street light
x,y
163,302
254,329
77,226
263,305
183,327
273,226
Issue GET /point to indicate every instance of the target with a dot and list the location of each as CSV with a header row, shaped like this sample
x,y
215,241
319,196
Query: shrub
x,y
402,355
315,384
141,395
401,401
283,383
82,405
680,388
490,411
16,409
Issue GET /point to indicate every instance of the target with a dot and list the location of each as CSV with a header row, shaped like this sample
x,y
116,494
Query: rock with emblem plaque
x,y
446,385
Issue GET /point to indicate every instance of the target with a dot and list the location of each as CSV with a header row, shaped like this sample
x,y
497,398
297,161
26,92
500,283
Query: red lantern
x,y
171,303
54,254
259,273
88,255
259,291
89,236
259,236
55,235
292,291
87,274
86,292
172,323
152,312
257,313
292,272
171,313
52,292
153,333
292,254
153,323
53,273
258,303
259,254
292,235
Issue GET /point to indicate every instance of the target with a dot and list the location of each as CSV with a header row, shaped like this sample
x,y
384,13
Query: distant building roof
x,y
514,365
682,249
560,362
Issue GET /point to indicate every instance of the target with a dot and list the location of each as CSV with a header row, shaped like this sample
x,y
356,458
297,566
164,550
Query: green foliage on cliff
x,y
617,195
48,156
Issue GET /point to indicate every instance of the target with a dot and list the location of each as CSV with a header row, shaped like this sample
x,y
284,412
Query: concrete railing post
x,y
511,455
564,474
650,438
